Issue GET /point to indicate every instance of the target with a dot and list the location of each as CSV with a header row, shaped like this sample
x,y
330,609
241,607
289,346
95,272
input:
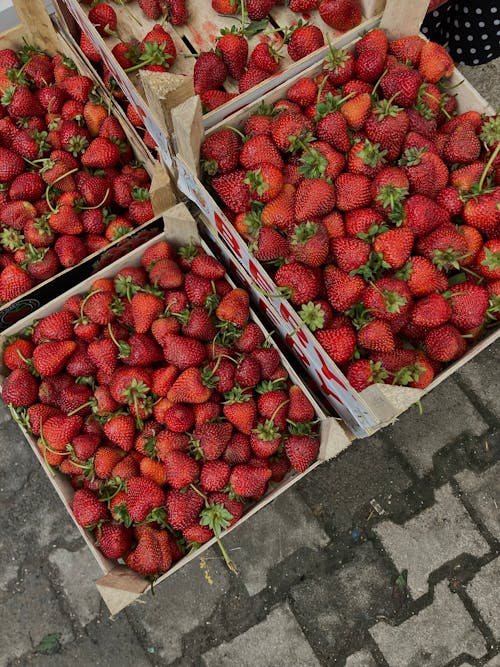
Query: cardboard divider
x,y
153,94
378,405
120,586
37,28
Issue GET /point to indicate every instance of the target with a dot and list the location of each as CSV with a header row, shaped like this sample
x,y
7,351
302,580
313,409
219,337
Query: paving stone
x,y
440,632
360,659
18,461
432,538
181,603
78,571
270,536
278,641
4,414
336,606
486,79
484,590
339,490
483,492
414,437
482,374
494,662
28,615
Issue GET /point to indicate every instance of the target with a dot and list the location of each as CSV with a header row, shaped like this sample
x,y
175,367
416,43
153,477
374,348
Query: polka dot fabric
x,y
470,29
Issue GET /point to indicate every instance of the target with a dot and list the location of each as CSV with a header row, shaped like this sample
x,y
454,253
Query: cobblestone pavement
x,y
388,556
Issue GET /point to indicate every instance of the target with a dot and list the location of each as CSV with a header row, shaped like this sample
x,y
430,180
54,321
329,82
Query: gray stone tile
x,y
270,536
340,490
432,538
78,572
277,641
440,632
28,614
419,442
4,413
486,79
482,491
18,460
360,659
494,662
340,604
482,374
181,603
484,590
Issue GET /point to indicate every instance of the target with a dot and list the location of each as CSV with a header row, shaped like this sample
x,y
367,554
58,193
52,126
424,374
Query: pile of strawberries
x,y
68,181
164,403
375,207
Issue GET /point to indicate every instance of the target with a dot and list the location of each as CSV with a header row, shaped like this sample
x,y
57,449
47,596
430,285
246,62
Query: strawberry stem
x,y
488,165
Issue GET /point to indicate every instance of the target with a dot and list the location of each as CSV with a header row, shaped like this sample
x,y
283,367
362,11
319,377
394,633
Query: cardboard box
x,y
378,405
156,94
37,28
120,586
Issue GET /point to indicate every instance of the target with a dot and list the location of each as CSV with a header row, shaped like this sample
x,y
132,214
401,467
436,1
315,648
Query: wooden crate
x,y
155,94
37,28
120,586
379,404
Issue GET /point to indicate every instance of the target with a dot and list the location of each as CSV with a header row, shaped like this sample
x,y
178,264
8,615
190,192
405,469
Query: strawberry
x,y
240,409
88,510
78,87
257,150
357,110
305,39
210,439
352,191
151,8
104,18
120,430
407,49
209,72
445,343
423,215
233,48
387,298
487,260
342,289
462,145
214,475
219,152
65,220
114,540
143,495
310,244
265,183
234,308
332,128
314,197
370,65
101,154
212,99
280,211
11,165
431,311
14,281
395,246
183,508
17,352
362,373
469,303
423,277
259,9
248,372
152,555
377,336
302,451
365,158
59,431
20,388
233,190
180,469
50,358
483,213
444,246
265,58
387,125
248,481
271,245
340,14
298,282
435,62
339,341
189,387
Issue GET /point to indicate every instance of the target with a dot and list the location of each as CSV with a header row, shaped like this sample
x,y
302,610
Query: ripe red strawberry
x,y
395,246
20,388
180,469
487,260
305,39
445,343
120,430
104,18
212,99
152,554
50,358
314,197
101,154
340,14
365,158
370,65
233,190
211,439
298,282
407,49
177,12
259,149
387,298
265,182
189,387
342,289
469,303
214,475
300,408
250,78
240,409
461,145
234,307
88,510
17,352
259,9
219,152
362,373
209,73
431,311
249,481
352,191
265,58
377,336
143,496
444,246
59,431
183,508
302,451
11,165
14,281
482,212
339,341
233,48
270,245
435,62
309,243
78,87
357,110
114,540
423,277
151,8
423,215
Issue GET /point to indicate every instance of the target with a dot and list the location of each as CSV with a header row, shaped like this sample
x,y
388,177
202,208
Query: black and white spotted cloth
x,y
470,29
